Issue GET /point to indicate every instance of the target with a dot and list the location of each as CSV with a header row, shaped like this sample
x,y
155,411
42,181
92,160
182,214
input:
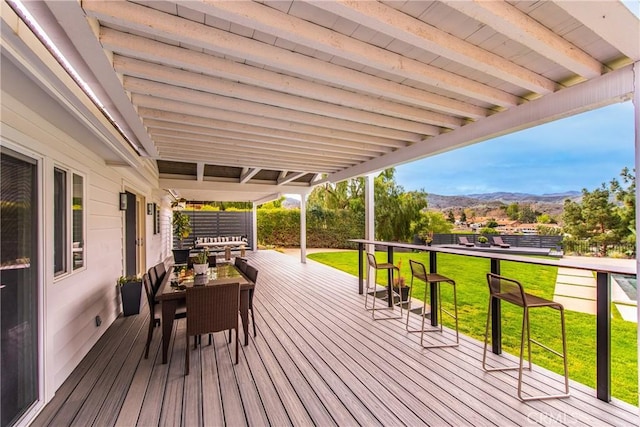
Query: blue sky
x,y
581,151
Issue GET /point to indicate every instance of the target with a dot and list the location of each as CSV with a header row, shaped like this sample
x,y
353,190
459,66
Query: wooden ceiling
x,y
327,90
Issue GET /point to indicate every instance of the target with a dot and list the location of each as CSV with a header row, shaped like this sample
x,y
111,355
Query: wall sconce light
x,y
149,208
123,201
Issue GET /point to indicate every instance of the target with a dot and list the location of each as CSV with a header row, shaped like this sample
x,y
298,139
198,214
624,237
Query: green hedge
x,y
325,228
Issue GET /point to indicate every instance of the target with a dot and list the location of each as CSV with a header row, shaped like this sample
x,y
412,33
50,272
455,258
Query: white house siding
x,y
71,303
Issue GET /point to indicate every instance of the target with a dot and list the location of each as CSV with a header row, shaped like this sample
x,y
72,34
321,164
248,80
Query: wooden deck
x,y
318,359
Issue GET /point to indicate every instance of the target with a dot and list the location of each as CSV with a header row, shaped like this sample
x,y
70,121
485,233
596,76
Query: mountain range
x,y
488,200
437,201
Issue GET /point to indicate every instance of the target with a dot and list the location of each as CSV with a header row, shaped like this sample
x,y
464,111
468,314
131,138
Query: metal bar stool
x,y
372,263
511,291
419,271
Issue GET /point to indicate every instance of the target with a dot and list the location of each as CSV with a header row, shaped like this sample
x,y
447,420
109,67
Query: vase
x,y
200,268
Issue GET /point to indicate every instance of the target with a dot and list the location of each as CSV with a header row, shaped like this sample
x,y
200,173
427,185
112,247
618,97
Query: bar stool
x,y
419,271
372,263
511,291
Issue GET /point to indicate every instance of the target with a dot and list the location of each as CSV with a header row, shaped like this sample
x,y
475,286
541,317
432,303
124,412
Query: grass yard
x,y
473,295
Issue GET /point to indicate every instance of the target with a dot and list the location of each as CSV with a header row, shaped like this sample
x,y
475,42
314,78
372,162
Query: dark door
x,y
18,285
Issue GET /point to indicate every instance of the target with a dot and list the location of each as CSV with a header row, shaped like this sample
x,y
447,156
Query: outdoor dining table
x,y
170,296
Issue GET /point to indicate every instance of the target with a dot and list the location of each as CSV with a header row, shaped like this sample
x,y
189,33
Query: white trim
x,y
254,226
303,229
45,392
369,211
636,104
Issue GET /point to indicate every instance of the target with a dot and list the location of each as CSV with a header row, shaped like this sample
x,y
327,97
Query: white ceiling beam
x,y
210,158
508,20
175,121
291,177
206,140
155,23
616,86
262,189
123,44
188,132
152,106
214,153
250,173
190,80
146,87
296,30
385,19
614,26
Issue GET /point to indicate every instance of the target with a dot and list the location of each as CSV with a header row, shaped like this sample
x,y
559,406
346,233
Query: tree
x,y
545,230
544,219
627,198
342,195
450,217
274,204
513,211
395,208
429,223
596,218
463,217
526,214
491,223
469,214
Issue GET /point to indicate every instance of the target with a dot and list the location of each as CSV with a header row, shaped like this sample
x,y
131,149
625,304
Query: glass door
x,y
18,285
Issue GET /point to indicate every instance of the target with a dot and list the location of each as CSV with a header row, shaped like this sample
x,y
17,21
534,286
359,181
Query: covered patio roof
x,y
239,100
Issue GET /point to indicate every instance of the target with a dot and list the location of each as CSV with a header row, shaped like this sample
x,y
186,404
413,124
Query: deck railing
x,y
603,295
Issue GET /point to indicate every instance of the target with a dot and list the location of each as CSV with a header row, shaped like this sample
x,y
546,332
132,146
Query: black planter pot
x,y
404,292
130,294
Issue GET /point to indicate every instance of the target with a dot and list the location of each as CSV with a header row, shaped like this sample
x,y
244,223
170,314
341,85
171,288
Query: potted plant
x,y
483,241
181,230
181,227
201,262
400,286
427,237
130,294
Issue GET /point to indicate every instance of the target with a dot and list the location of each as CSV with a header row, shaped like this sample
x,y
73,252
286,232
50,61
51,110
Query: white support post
x,y
303,228
254,226
369,211
636,105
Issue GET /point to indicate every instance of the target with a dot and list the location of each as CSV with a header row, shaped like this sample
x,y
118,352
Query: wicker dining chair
x,y
212,309
160,272
155,311
252,274
153,278
511,291
241,264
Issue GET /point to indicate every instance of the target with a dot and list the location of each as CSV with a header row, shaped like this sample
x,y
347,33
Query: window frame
x,y
69,267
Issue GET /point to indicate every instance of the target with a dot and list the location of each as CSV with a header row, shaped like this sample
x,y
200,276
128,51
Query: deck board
x,y
318,359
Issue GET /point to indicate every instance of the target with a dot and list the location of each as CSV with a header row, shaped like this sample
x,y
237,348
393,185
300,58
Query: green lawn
x,y
469,274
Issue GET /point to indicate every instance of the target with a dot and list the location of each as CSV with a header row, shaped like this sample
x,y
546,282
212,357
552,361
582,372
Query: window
x,y
78,222
59,221
68,221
